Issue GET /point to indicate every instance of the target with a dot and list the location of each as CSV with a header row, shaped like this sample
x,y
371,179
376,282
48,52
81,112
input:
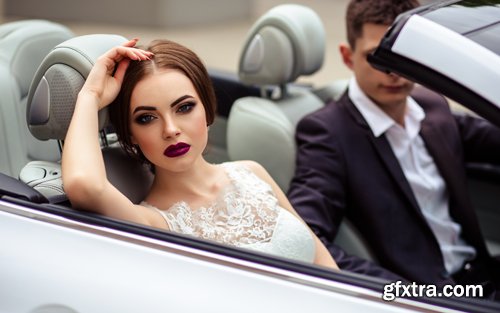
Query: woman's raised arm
x,y
83,172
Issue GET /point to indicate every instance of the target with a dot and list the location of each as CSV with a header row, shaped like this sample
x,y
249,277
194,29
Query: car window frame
x,y
280,265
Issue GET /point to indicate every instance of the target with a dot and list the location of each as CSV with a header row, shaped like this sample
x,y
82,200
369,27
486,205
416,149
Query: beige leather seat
x,y
286,43
23,45
332,91
51,103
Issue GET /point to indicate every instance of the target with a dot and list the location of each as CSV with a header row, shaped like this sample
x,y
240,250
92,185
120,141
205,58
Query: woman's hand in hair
x,y
105,79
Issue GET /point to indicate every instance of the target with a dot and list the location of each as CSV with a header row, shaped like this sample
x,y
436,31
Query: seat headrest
x,y
286,42
23,44
55,86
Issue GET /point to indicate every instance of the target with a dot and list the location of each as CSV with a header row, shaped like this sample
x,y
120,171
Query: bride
x,y
162,104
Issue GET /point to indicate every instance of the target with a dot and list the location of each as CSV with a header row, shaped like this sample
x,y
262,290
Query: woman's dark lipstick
x,y
176,150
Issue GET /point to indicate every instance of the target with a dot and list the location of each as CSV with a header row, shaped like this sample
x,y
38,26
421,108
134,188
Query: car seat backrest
x,y
285,43
53,94
332,91
228,88
51,102
23,45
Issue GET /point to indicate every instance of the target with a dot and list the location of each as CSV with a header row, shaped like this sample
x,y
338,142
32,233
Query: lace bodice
x,y
246,214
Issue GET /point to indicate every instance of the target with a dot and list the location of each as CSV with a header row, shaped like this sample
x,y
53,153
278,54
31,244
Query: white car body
x,y
54,264
56,259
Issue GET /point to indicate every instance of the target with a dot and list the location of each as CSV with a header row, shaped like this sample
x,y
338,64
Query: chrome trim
x,y
260,269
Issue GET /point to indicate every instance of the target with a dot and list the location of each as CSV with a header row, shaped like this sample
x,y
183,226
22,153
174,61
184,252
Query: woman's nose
x,y
170,129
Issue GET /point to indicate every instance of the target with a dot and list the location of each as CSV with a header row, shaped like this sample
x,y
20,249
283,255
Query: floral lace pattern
x,y
245,212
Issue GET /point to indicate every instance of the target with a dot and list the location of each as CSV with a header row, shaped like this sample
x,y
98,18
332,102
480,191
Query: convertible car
x,y
57,259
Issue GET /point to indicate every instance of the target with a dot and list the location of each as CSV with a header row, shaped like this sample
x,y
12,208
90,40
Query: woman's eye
x,y
186,107
144,119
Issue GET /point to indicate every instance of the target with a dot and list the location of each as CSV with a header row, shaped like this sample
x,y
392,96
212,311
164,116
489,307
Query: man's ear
x,y
346,54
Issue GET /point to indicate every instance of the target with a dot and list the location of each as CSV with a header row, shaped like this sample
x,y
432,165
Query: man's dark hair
x,y
380,12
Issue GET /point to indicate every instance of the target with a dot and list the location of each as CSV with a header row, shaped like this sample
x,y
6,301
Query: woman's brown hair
x,y
167,55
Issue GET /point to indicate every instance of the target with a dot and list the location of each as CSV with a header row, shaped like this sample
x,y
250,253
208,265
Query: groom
x,y
391,158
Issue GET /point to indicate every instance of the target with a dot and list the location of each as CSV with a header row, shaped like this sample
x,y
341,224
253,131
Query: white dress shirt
x,y
421,172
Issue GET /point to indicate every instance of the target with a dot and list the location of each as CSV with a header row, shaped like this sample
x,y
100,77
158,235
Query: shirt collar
x,y
414,116
378,121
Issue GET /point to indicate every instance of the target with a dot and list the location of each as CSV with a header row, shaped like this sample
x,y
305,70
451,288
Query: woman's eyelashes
x,y
144,119
185,107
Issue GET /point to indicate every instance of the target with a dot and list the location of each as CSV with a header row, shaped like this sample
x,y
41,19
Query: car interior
x,y
264,95
263,128
257,114
23,45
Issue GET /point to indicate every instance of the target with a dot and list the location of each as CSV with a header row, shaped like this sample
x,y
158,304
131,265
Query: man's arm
x,y
480,139
355,264
318,192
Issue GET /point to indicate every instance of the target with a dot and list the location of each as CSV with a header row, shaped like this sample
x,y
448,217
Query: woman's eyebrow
x,y
180,99
152,108
143,107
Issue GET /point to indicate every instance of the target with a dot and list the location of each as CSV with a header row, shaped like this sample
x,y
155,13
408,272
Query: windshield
x,y
478,20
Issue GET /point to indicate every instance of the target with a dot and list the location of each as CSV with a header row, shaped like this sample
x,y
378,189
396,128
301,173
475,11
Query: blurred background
x,y
215,29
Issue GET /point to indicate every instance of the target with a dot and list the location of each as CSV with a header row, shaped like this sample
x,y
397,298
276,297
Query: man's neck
x,y
396,111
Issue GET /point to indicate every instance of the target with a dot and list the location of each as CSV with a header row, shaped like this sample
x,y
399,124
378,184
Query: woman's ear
x,y
132,140
346,54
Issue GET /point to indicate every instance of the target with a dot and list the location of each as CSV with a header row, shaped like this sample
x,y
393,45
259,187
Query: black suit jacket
x,y
344,170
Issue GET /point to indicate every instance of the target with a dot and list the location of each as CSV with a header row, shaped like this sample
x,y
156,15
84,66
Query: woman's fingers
x,y
136,53
131,42
118,54
106,77
140,54
132,53
120,70
127,50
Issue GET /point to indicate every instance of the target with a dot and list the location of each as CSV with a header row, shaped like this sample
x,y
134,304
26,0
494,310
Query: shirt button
x,y
467,266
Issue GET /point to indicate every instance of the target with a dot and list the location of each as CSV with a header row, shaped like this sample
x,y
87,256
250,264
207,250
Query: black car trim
x,y
484,172
389,62
228,89
12,187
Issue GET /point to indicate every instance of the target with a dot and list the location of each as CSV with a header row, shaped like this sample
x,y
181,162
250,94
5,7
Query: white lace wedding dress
x,y
246,214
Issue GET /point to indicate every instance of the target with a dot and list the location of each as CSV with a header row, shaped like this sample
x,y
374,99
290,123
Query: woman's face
x,y
168,121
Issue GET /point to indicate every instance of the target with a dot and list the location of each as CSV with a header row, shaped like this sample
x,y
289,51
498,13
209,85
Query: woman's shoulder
x,y
250,165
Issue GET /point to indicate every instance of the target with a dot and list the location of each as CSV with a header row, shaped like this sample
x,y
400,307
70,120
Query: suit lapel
x,y
446,162
439,150
437,146
390,161
462,211
384,151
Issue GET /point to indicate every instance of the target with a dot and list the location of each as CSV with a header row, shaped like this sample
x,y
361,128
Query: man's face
x,y
386,90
